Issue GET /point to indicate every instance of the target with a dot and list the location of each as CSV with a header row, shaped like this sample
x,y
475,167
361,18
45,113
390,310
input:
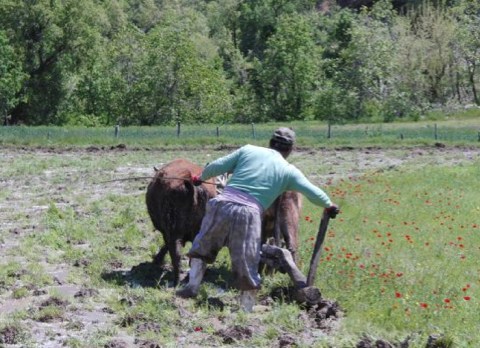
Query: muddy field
x,y
53,298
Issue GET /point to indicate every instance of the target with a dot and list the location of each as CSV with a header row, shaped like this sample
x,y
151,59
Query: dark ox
x,y
177,208
281,221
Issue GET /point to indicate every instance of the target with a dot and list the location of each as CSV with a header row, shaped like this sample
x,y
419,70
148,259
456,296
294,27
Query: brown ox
x,y
177,208
281,221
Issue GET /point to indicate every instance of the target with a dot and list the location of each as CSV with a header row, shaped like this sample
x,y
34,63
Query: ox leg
x,y
175,249
160,257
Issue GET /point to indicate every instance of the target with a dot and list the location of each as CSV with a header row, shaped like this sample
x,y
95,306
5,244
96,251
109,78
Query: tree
x,y
468,44
54,38
285,78
11,76
177,82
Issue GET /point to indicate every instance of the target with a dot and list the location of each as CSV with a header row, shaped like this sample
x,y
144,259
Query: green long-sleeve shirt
x,y
264,174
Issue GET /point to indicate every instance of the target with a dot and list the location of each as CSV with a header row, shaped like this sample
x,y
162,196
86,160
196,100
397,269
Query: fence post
x,y
401,136
117,131
436,133
178,129
253,131
218,132
329,130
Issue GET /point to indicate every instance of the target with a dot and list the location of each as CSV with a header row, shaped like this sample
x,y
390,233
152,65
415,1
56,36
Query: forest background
x,y
158,62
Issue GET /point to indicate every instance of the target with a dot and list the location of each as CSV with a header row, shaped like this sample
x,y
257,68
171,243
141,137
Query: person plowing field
x,y
233,218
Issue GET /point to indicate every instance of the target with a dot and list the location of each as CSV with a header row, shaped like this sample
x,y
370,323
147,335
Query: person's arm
x,y
220,166
313,193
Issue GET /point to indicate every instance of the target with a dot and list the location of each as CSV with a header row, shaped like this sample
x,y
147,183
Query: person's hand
x,y
196,180
332,211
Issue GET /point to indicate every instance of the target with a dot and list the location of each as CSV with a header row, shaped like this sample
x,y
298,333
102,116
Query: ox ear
x,y
155,169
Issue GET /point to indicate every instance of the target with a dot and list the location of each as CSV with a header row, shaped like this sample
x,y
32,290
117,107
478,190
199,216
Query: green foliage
x,y
148,62
11,75
287,75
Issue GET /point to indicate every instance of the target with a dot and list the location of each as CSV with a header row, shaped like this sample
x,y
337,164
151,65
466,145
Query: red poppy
x,y
198,329
424,305
397,294
446,300
467,298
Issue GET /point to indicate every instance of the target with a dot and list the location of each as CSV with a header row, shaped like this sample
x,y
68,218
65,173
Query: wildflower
x,y
423,305
466,298
399,275
446,300
398,295
198,329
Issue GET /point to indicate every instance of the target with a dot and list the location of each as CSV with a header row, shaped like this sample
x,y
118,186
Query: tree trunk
x,y
471,73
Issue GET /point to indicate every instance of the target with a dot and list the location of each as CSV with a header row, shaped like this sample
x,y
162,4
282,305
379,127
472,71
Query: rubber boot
x,y
197,270
247,300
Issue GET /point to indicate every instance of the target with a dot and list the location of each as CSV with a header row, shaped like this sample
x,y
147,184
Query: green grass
x,y
401,259
403,255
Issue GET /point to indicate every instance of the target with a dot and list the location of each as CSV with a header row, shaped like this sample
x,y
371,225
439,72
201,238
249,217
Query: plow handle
x,y
322,231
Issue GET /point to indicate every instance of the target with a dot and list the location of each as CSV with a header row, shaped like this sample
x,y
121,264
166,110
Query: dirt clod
x,y
116,344
369,343
130,319
146,344
148,326
325,309
235,333
84,262
286,340
116,264
383,344
86,293
365,343
54,301
108,310
39,292
10,335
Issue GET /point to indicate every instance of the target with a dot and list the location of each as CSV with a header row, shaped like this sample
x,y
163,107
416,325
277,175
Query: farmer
x,y
233,218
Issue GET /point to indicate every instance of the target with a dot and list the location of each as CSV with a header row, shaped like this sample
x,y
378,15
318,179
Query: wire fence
x,y
307,132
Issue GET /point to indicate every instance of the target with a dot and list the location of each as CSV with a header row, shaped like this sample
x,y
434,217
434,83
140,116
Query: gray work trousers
x,y
238,227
